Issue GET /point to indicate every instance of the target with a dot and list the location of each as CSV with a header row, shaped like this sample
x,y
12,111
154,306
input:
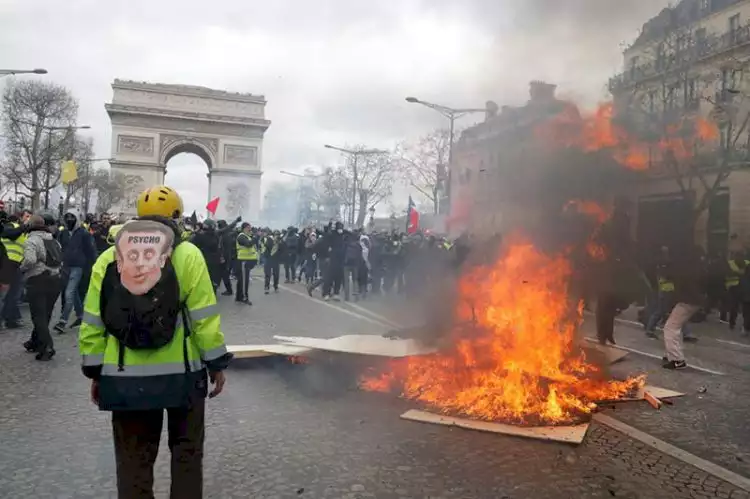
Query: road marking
x,y
675,452
745,345
376,315
660,445
654,356
340,309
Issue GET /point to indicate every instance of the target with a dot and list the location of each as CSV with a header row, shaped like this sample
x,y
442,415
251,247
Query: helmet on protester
x,y
161,201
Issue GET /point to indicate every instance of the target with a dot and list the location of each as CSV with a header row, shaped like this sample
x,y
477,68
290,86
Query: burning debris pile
x,y
518,361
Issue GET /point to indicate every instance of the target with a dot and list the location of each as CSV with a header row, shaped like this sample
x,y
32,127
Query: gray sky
x,y
333,71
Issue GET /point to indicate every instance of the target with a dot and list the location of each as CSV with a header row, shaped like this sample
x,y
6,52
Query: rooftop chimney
x,y
540,91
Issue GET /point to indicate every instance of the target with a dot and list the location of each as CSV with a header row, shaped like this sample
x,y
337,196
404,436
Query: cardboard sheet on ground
x,y
362,344
566,434
613,354
257,351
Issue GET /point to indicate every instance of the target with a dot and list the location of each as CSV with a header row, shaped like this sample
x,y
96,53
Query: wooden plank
x,y
565,434
613,354
258,351
657,391
363,344
653,401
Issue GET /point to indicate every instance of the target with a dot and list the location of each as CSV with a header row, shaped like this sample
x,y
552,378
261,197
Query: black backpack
x,y
143,322
53,253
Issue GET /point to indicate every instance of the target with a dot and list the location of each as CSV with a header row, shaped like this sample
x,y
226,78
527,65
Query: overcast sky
x,y
333,71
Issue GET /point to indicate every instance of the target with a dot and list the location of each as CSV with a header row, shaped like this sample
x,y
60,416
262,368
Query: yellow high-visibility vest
x,y
14,248
665,285
733,279
112,234
246,252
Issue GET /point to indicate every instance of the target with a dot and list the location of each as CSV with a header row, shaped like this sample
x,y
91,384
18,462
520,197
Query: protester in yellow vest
x,y
147,355
247,259
13,238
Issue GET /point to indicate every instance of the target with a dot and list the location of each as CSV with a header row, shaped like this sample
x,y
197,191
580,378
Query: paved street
x,y
283,431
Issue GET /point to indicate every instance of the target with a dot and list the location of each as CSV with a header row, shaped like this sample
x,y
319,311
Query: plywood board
x,y
656,391
362,344
613,354
258,351
566,434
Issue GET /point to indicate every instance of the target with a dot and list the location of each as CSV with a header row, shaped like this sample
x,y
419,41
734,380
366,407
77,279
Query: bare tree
x,y
113,188
37,126
423,164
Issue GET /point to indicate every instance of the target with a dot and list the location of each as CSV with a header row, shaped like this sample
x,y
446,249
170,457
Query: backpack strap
x,y
185,333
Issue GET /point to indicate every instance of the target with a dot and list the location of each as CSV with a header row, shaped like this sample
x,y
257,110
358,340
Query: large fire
x,y
516,359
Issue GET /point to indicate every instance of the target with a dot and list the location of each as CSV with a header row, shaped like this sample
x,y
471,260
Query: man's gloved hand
x,y
238,219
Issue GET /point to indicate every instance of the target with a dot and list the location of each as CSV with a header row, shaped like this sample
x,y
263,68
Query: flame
x,y
600,215
517,361
600,131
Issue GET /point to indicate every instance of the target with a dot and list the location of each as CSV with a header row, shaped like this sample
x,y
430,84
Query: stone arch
x,y
153,122
172,145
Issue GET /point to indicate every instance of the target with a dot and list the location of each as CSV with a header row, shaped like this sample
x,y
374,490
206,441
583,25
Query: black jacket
x,y
208,242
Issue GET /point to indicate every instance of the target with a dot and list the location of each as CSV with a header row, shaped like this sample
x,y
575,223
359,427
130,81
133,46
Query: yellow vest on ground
x,y
246,252
14,248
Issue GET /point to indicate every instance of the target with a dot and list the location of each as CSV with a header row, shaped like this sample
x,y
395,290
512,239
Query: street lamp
x,y
355,155
452,114
8,72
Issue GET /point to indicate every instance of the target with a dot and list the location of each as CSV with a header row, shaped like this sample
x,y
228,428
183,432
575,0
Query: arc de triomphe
x,y
153,122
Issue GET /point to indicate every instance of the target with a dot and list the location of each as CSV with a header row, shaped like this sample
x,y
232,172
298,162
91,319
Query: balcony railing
x,y
681,59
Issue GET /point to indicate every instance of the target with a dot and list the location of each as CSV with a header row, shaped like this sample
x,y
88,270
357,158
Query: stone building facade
x,y
693,60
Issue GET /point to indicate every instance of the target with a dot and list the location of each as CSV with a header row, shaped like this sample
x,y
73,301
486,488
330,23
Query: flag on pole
x,y
212,206
69,172
412,218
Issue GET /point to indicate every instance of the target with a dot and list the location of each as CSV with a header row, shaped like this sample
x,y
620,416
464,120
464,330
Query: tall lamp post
x,y
48,173
355,154
452,114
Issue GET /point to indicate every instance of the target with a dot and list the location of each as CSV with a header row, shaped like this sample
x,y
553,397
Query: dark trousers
x,y
731,305
310,269
606,310
226,276
243,269
271,269
335,279
137,435
290,267
11,312
42,291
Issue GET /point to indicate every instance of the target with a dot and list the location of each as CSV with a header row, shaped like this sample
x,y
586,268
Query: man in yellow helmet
x,y
151,331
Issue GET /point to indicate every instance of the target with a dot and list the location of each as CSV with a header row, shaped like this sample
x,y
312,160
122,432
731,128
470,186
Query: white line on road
x,y
340,309
660,445
376,315
654,356
677,453
745,345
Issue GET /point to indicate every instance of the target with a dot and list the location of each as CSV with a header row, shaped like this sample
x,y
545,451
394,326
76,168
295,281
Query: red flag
x,y
212,206
412,218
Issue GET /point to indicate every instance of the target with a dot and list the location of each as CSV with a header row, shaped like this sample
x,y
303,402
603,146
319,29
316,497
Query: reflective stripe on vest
x,y
733,279
665,285
246,252
14,248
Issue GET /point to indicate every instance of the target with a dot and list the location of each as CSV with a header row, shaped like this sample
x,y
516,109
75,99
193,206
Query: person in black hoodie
x,y
352,262
273,251
79,256
336,249
291,253
228,243
207,240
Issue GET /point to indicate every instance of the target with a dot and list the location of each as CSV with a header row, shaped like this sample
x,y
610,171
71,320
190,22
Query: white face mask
x,y
340,231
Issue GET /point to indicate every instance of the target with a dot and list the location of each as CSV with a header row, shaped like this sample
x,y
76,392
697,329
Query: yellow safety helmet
x,y
160,200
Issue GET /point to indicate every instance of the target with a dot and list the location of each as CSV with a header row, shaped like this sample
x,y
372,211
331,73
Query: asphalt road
x,y
303,431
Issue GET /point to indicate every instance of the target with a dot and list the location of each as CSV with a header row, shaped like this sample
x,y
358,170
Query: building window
x,y
660,57
691,94
633,65
701,41
705,6
734,26
652,102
